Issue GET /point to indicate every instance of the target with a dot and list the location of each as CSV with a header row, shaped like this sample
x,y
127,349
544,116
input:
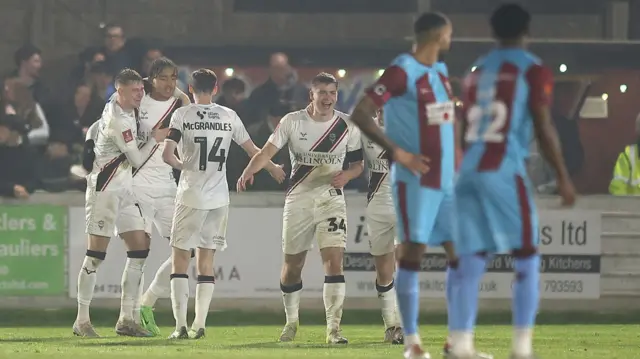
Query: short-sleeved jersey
x,y
115,133
419,117
204,134
317,150
498,95
154,173
377,161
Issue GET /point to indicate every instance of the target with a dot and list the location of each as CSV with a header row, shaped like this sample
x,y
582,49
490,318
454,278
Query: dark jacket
x,y
268,94
18,168
238,160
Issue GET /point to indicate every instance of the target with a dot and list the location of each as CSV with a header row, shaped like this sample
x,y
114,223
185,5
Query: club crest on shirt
x,y
332,137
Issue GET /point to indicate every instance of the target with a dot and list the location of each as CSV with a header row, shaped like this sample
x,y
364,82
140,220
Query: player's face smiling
x,y
324,97
165,83
133,94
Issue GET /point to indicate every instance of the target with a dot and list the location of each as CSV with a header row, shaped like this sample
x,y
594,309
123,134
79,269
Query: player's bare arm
x,y
258,162
274,170
341,178
546,134
182,96
169,154
363,116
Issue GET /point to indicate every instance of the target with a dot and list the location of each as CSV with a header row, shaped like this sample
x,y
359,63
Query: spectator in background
x,y
28,60
18,100
72,118
626,172
101,81
53,169
260,133
117,56
17,160
86,59
233,96
153,53
282,85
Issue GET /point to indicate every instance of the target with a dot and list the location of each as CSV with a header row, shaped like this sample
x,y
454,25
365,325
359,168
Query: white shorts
x,y
381,228
104,209
199,228
157,207
306,220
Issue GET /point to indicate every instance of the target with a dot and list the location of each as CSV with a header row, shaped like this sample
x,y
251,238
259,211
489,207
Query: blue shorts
x,y
496,214
424,215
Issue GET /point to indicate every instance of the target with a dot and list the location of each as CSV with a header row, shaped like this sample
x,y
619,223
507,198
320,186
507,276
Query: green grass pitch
x,y
40,334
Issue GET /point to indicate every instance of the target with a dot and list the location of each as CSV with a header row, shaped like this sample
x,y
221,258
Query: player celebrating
x,y
320,139
419,116
381,225
153,182
113,150
204,131
507,98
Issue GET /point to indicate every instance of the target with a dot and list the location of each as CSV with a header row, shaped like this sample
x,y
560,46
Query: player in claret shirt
x,y
419,122
507,97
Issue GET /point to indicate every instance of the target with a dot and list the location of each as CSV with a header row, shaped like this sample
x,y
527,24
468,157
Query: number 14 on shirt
x,y
212,155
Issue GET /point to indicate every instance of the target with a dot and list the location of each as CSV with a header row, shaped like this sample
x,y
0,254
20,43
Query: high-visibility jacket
x,y
626,173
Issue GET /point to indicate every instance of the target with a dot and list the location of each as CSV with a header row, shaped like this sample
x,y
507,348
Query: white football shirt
x,y
317,150
377,162
114,134
204,134
154,173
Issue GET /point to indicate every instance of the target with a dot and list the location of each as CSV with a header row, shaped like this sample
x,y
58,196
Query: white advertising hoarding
x,y
250,266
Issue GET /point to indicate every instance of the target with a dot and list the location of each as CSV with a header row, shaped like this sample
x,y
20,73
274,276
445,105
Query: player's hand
x,y
340,180
241,186
277,173
567,192
20,192
418,164
160,134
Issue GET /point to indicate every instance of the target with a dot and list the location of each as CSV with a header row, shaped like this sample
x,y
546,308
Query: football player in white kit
x,y
113,151
381,226
320,139
203,131
153,182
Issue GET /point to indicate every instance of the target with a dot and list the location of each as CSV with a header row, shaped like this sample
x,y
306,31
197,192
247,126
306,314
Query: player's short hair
x,y
112,25
324,78
510,21
429,22
233,85
24,53
159,65
127,76
204,81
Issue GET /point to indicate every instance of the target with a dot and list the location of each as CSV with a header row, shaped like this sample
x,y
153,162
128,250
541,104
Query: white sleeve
x,y
92,132
240,134
280,136
354,142
121,133
40,135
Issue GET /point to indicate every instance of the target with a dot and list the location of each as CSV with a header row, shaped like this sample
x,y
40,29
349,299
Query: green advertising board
x,y
32,250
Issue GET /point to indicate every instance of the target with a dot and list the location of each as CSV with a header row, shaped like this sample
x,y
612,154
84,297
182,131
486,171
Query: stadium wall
x,y
592,257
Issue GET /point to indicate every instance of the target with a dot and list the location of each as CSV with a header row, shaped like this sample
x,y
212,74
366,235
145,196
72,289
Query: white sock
x,y
523,341
389,306
86,286
333,296
131,280
180,298
160,287
204,293
137,303
412,339
462,343
291,299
